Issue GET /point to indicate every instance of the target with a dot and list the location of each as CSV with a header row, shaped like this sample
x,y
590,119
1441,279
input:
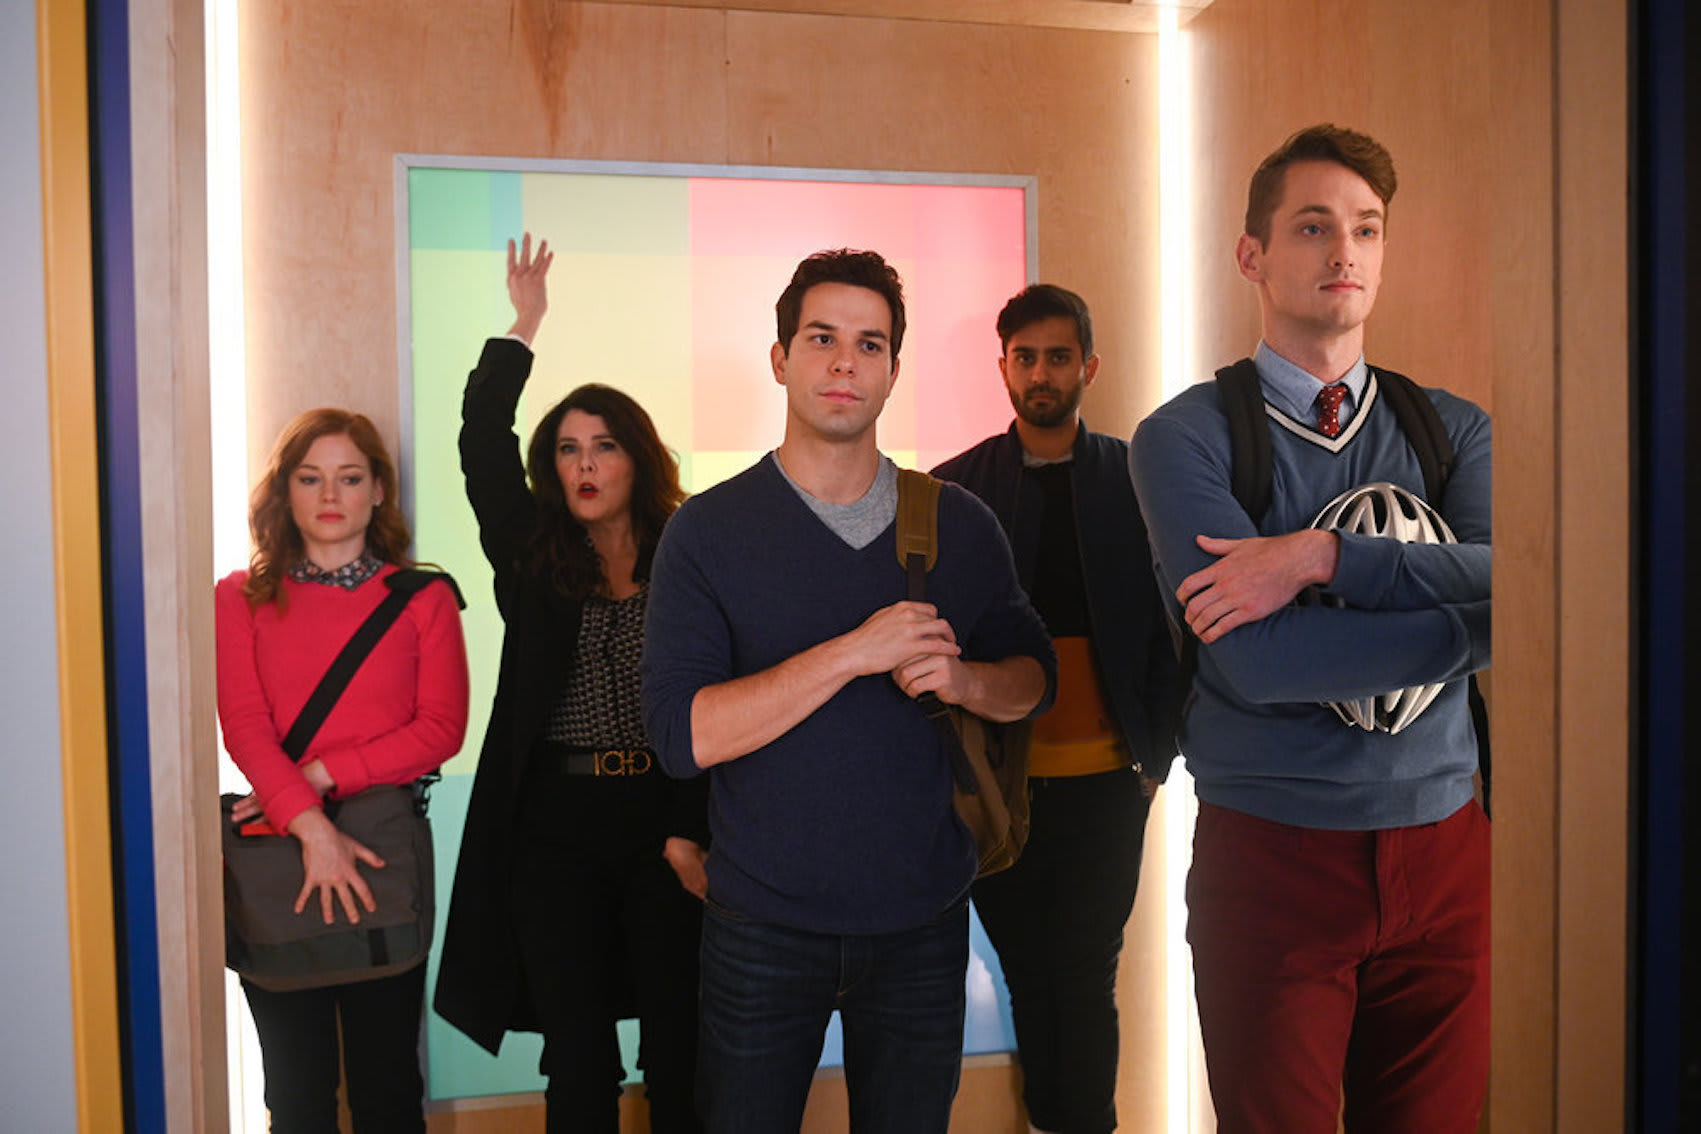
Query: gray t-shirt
x,y
861,521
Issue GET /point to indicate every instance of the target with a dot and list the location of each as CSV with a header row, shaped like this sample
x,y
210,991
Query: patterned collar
x,y
349,576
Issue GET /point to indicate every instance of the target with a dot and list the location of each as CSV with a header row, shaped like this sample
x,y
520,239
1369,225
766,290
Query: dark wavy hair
x,y
845,266
1360,153
277,541
560,549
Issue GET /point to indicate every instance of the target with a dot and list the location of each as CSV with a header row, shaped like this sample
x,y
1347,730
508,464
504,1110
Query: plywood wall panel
x,y
1595,501
1075,109
333,91
1522,301
1416,77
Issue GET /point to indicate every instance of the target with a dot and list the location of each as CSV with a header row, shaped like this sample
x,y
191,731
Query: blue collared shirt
x,y
1294,390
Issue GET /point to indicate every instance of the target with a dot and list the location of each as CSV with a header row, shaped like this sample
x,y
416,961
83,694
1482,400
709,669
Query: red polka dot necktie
x,y
1329,409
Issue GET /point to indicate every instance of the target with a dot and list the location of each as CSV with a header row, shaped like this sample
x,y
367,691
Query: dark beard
x,y
1062,408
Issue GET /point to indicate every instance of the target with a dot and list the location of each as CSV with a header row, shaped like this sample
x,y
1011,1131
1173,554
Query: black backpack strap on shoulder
x,y
918,550
1428,438
1250,461
403,585
1250,457
1423,429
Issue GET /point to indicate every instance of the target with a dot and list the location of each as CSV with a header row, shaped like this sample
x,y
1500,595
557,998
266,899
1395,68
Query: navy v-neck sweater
x,y
844,824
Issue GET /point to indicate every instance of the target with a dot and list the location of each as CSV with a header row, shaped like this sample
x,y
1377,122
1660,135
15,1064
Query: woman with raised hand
x,y
577,897
327,535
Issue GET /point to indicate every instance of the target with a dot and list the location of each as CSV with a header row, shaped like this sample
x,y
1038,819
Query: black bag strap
x,y
1251,458
1428,438
918,550
1423,429
403,584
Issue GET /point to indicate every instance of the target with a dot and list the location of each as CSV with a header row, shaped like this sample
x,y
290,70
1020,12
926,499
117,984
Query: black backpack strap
x,y
1423,429
1250,462
1428,438
1250,457
403,585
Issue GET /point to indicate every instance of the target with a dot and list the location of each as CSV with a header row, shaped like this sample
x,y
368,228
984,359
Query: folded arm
x,y
1276,651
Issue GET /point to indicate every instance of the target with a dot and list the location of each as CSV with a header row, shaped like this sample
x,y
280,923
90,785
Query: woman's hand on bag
x,y
328,859
686,858
246,808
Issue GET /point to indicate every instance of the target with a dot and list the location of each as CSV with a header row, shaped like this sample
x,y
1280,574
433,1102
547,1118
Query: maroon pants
x,y
1342,965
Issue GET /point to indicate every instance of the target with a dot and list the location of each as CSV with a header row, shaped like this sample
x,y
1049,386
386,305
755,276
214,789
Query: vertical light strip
x,y
62,56
228,410
227,347
1175,165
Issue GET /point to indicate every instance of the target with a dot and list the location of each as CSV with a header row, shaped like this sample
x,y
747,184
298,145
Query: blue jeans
x,y
767,994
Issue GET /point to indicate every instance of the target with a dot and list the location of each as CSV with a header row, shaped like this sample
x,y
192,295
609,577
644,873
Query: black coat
x,y
1131,637
480,985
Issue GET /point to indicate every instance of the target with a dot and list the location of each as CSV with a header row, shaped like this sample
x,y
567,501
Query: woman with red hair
x,y
327,533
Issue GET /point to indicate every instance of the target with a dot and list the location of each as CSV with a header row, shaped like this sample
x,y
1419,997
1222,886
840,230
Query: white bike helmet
x,y
1383,509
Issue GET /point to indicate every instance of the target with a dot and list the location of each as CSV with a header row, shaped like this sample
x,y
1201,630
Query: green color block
x,y
466,209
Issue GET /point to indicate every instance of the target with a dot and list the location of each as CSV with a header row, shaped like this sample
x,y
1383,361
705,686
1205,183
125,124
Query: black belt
x,y
596,761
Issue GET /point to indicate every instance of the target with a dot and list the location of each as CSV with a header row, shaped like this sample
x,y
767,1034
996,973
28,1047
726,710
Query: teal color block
x,y
458,1068
462,209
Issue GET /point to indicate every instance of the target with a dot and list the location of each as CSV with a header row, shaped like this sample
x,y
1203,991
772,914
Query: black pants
x,y
1056,919
606,932
380,1031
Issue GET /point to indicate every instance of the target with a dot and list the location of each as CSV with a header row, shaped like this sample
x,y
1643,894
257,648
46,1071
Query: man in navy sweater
x,y
1339,895
1056,917
781,656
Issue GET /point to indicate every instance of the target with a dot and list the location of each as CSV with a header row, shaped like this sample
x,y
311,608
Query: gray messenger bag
x,y
270,944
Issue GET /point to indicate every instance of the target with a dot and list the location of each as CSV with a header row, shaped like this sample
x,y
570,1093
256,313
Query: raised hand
x,y
528,274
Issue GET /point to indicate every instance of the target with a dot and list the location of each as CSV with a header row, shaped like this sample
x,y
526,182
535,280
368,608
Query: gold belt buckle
x,y
623,762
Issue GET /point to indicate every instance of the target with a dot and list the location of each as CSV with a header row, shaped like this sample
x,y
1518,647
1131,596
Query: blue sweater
x,y
1256,737
845,823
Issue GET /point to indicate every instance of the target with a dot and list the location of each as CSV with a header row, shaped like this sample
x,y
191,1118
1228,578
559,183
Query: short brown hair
x,y
845,266
1360,153
278,545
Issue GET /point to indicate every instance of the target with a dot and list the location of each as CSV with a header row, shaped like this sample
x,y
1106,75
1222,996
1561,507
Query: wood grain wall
x,y
333,89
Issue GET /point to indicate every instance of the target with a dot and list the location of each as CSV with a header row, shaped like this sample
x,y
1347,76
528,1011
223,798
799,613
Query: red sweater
x,y
404,713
